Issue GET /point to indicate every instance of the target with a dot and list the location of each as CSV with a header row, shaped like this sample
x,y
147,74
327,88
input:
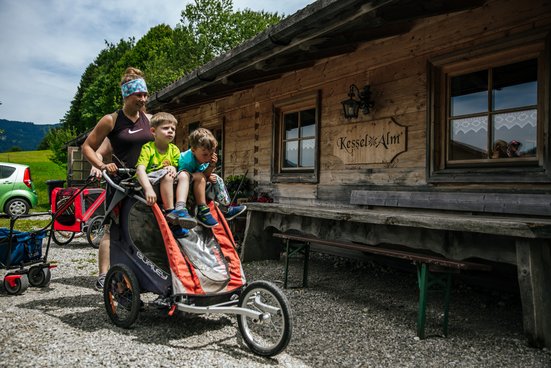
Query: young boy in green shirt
x,y
157,165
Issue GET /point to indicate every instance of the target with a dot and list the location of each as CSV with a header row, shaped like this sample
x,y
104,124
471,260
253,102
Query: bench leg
x,y
422,278
306,265
303,249
426,280
286,275
447,296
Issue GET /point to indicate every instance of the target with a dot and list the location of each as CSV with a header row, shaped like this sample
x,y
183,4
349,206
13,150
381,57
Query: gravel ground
x,y
352,315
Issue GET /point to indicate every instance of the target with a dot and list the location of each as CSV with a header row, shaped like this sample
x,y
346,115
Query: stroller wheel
x,y
63,237
39,276
270,334
16,286
94,233
121,295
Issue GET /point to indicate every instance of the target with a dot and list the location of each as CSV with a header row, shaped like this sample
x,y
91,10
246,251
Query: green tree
x,y
207,29
216,28
57,139
97,92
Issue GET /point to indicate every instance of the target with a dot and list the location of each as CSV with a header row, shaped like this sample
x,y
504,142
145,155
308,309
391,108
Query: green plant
x,y
57,139
241,183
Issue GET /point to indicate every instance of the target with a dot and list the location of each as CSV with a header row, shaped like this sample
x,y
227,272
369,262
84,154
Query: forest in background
x,y
207,28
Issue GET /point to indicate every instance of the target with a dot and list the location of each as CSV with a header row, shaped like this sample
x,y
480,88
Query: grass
x,y
42,169
25,224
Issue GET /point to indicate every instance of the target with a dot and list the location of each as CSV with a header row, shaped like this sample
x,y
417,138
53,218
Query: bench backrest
x,y
501,203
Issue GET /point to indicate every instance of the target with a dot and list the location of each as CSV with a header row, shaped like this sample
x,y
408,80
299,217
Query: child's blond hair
x,y
162,117
203,138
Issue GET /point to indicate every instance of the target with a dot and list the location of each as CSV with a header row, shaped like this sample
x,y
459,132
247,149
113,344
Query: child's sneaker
x,y
179,232
182,218
205,218
234,211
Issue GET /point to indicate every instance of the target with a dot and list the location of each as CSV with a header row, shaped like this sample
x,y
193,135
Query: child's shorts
x,y
156,176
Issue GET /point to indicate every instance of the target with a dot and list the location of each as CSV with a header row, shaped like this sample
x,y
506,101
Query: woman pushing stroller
x,y
122,134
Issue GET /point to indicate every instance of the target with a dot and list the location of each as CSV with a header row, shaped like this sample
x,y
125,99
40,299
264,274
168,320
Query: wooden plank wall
x,y
396,69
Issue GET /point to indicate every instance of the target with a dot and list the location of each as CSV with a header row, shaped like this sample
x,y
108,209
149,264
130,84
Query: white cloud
x,y
47,45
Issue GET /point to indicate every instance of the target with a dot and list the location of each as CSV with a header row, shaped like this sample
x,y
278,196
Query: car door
x,y
7,179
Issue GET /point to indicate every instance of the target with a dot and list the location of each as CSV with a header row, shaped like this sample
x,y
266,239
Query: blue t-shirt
x,y
189,163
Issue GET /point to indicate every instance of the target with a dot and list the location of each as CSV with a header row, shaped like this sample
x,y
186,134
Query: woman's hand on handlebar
x,y
111,168
95,172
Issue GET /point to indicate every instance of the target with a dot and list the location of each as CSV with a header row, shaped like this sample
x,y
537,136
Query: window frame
x,y
439,71
279,108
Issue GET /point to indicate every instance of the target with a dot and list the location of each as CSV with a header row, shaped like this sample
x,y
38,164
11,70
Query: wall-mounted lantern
x,y
352,106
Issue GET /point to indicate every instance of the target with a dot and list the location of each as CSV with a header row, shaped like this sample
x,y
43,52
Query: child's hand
x,y
171,171
212,178
150,196
213,159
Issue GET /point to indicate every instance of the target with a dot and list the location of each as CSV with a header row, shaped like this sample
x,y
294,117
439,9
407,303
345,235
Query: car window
x,y
6,171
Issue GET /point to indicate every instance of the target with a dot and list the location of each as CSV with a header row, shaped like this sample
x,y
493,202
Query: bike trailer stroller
x,y
85,214
200,273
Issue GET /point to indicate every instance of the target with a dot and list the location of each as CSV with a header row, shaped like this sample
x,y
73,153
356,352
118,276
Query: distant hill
x,y
26,136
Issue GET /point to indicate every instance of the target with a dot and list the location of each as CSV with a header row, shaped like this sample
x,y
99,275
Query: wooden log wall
x,y
396,69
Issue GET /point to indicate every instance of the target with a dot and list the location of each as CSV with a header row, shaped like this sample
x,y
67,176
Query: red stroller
x,y
85,214
200,273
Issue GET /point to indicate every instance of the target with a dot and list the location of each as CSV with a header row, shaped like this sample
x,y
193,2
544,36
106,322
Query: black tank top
x,y
127,138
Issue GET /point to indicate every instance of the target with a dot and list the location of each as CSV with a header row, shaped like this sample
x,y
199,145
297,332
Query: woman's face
x,y
136,100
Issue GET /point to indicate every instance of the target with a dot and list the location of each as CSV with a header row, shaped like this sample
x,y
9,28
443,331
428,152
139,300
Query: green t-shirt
x,y
153,160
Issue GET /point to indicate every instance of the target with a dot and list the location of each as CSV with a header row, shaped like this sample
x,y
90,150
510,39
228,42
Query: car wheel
x,y
17,207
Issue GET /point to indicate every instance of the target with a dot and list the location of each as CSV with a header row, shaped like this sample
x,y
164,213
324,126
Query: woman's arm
x,y
94,149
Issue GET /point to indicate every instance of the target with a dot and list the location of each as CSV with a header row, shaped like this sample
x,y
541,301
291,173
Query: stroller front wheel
x,y
270,334
121,295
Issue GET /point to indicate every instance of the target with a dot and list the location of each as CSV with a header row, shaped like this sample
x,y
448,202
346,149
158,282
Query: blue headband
x,y
133,86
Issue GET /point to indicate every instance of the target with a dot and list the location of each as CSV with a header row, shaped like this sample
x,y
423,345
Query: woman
x,y
121,135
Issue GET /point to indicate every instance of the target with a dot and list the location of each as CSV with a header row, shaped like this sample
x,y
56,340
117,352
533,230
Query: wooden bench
x,y
495,203
433,272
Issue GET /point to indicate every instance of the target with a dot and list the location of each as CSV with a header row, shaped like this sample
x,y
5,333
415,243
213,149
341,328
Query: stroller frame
x,y
262,310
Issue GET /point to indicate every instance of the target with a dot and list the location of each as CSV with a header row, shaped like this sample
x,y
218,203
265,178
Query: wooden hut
x,y
448,150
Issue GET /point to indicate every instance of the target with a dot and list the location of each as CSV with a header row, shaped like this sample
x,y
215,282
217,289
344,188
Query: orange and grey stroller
x,y
200,273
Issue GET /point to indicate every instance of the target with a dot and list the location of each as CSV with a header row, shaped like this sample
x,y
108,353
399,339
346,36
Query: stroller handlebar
x,y
125,185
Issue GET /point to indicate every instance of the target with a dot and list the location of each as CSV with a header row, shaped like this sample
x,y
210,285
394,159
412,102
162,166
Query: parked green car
x,y
17,193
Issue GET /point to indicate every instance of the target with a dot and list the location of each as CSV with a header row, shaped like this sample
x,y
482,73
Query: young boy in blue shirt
x,y
196,165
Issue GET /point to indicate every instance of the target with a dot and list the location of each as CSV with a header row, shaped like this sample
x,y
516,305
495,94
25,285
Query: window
x,y
488,115
6,171
296,135
493,113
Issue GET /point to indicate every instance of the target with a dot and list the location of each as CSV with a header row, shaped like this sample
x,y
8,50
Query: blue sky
x,y
47,45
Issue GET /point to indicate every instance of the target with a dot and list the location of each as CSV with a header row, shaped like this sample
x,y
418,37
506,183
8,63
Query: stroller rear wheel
x,y
39,276
121,295
95,230
63,237
16,286
270,334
